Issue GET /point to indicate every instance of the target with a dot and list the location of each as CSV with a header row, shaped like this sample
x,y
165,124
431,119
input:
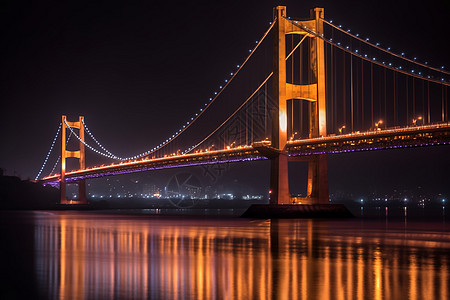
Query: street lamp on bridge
x,y
377,124
341,128
293,136
415,120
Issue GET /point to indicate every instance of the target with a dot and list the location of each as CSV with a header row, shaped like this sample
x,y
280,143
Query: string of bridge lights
x,y
59,157
107,152
391,66
54,166
96,141
387,50
185,125
231,116
374,60
49,152
86,144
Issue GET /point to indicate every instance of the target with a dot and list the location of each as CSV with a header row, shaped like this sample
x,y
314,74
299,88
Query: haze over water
x,y
92,255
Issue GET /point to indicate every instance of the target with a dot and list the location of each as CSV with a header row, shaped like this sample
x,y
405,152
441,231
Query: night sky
x,y
139,70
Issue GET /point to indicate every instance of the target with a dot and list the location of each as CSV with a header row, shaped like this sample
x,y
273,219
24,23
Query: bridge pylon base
x,y
317,191
279,180
73,202
81,194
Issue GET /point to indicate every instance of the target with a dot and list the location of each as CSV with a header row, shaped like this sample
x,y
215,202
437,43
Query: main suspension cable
x,y
373,60
366,41
96,141
49,152
232,115
89,146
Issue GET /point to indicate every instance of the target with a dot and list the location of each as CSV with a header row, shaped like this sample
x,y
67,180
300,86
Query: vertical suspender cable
x,y
329,87
333,81
414,99
335,92
362,94
265,110
332,99
225,139
395,99
356,95
291,125
385,98
351,90
407,100
300,119
330,94
292,117
428,100
423,101
371,94
443,106
378,88
241,132
292,78
344,90
246,124
309,81
292,59
446,103
251,120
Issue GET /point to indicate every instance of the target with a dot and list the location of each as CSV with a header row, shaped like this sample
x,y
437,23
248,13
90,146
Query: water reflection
x,y
94,256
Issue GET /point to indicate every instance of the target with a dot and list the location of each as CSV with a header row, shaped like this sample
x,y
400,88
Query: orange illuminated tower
x,y
314,92
79,154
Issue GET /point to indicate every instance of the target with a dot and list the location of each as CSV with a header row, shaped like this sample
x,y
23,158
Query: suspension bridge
x,y
308,89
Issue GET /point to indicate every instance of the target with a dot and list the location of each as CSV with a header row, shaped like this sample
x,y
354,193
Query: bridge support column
x,y
279,180
313,92
79,154
316,203
279,183
317,191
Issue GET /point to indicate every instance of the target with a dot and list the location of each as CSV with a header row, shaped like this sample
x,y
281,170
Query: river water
x,y
140,255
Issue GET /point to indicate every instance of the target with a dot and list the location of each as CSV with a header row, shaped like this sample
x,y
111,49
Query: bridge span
x,y
392,138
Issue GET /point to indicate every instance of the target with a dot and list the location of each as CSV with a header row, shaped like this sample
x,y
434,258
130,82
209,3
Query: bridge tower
x,y
79,154
314,92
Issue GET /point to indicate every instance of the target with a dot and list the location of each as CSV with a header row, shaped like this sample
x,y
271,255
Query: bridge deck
x,y
438,134
426,135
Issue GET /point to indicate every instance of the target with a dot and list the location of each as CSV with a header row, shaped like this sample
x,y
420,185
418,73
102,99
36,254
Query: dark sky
x,y
138,70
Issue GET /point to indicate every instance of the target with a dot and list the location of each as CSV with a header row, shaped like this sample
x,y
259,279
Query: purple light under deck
x,y
196,163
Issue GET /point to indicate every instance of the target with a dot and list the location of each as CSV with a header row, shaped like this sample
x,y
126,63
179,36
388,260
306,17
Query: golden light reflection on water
x,y
133,257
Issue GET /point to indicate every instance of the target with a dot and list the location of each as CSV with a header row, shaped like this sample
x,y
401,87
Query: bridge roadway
x,y
426,135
